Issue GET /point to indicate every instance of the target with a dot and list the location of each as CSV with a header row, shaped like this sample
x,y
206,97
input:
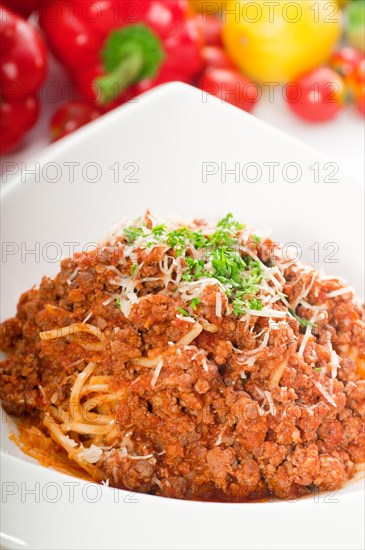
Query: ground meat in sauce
x,y
222,421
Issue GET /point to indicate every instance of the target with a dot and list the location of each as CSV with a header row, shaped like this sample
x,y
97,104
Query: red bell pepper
x,y
72,116
109,46
23,68
23,7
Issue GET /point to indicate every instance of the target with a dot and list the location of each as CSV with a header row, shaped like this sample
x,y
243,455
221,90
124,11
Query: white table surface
x,y
342,140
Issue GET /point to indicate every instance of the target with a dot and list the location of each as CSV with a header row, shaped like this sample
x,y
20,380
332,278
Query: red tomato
x,y
231,86
15,119
23,7
210,28
356,84
317,96
217,58
350,63
360,104
71,116
346,60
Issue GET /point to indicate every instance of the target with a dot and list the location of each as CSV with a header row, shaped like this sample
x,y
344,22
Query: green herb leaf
x,y
255,304
303,322
159,230
183,312
194,303
132,233
228,222
222,259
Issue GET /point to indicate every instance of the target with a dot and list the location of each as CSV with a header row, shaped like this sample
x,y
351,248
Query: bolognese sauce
x,y
191,361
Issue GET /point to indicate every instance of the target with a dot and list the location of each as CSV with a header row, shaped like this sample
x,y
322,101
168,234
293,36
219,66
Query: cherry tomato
x,y
216,57
71,116
230,86
210,28
346,60
317,96
357,86
350,64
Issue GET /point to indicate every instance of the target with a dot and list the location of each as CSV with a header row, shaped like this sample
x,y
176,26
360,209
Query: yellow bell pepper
x,y
197,5
278,41
207,6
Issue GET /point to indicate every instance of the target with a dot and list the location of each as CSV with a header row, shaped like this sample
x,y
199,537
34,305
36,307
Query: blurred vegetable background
x,y
114,50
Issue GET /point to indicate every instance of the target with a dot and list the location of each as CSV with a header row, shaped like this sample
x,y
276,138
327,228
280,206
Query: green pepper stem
x,y
112,85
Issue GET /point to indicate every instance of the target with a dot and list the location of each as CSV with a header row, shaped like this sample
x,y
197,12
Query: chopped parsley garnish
x,y
183,312
178,239
303,322
228,222
194,303
159,230
117,303
255,304
241,305
134,269
195,269
221,259
132,233
226,232
256,239
240,276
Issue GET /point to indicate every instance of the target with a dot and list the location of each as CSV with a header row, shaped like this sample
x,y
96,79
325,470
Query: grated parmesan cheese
x,y
304,342
325,393
267,312
218,304
304,293
194,289
156,373
270,401
88,316
110,299
335,360
310,306
183,318
340,292
249,362
73,276
262,346
219,438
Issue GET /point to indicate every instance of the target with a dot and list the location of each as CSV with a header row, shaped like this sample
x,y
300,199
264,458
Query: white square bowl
x,y
174,151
